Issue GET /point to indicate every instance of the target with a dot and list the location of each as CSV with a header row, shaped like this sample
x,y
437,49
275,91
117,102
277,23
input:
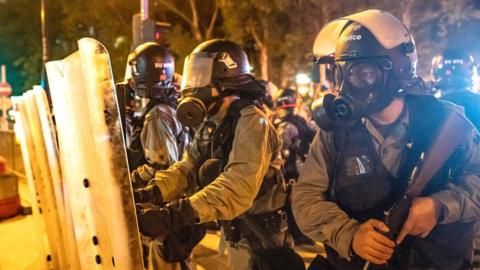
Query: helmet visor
x,y
197,70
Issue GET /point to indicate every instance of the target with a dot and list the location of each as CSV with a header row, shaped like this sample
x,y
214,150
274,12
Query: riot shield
x,y
26,146
93,159
52,214
51,151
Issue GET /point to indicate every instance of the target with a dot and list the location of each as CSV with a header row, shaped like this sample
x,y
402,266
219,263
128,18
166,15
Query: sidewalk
x,y
19,245
21,248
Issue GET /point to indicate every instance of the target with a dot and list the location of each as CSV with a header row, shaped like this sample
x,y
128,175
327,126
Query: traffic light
x,y
148,30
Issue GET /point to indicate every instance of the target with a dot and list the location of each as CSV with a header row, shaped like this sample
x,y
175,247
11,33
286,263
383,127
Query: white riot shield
x,y
93,159
51,147
43,183
26,144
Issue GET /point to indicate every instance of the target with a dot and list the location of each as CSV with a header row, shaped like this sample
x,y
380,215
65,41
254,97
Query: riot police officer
x,y
238,181
453,72
296,138
293,129
158,139
373,135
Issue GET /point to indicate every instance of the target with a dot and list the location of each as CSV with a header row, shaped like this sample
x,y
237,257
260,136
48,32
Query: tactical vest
x,y
213,164
363,188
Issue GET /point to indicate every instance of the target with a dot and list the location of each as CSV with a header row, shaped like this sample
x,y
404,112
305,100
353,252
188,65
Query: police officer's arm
x,y
179,178
317,217
461,200
233,192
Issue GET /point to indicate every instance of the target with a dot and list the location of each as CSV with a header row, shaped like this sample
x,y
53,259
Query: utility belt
x,y
255,227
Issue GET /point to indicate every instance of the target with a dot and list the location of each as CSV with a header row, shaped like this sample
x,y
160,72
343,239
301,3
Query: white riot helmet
x,y
374,60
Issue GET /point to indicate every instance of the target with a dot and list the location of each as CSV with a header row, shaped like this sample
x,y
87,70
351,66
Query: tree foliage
x,y
20,48
277,34
193,22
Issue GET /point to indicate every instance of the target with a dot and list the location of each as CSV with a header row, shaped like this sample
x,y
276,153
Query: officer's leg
x,y
239,255
155,258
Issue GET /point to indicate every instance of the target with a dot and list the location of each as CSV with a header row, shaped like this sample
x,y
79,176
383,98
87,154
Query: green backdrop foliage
x,y
285,29
20,43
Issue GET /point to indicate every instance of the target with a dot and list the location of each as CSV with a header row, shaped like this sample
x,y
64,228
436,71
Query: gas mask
x,y
374,59
196,104
199,95
364,87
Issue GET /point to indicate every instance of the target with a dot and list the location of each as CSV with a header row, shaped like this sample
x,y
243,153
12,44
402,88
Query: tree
x,y
262,23
21,48
277,34
108,21
192,17
193,22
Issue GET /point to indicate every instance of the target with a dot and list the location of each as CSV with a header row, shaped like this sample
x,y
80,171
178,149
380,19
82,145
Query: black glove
x,y
160,222
150,194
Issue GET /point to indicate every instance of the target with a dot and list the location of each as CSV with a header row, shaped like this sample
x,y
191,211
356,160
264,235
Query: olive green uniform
x,y
323,220
255,154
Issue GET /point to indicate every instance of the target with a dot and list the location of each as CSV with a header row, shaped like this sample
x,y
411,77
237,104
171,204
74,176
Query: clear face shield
x,y
197,71
196,89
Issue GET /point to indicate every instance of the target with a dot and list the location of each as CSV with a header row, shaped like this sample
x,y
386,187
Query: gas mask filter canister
x,y
196,104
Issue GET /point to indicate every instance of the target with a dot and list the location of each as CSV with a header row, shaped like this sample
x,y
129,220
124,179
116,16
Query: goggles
x,y
361,75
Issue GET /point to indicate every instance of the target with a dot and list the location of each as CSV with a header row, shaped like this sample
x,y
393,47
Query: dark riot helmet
x,y
374,59
286,98
152,67
454,70
215,64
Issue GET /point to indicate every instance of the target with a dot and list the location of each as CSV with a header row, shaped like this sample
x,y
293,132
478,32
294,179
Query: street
x,y
21,245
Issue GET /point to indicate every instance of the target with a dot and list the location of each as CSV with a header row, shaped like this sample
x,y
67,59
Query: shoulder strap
x,y
435,139
421,129
222,142
339,140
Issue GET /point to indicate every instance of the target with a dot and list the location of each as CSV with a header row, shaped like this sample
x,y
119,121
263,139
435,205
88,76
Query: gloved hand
x,y
370,244
149,194
160,222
